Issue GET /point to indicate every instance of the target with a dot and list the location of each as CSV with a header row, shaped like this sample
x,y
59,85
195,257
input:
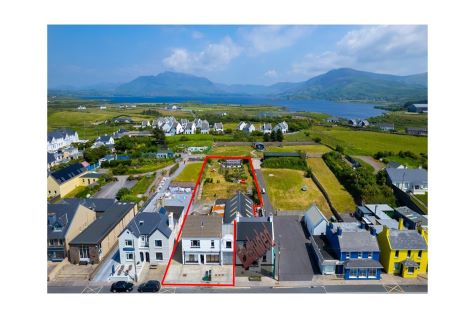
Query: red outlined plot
x,y
255,207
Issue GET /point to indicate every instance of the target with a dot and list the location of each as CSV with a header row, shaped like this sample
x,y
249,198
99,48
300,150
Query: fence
x,y
327,197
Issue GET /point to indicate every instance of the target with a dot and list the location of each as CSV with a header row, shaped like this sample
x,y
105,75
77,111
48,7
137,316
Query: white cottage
x,y
315,221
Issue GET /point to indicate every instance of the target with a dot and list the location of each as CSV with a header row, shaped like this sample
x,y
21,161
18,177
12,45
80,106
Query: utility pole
x,y
134,259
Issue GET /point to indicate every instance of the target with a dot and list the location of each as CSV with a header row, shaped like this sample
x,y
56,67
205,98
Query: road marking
x,y
393,289
92,290
167,290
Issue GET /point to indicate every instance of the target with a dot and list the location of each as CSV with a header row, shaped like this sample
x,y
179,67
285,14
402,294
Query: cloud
x,y
271,74
384,49
264,39
215,56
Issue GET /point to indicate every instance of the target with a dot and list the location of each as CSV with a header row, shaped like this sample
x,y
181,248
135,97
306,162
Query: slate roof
x,y
103,138
406,240
59,218
93,175
324,247
354,238
95,204
60,133
51,157
247,228
176,210
315,215
410,263
362,263
67,173
411,215
267,126
218,126
146,223
100,228
240,203
414,176
393,164
202,226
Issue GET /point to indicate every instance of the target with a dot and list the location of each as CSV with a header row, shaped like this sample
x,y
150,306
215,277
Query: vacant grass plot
x,y
284,189
341,199
317,149
142,185
232,151
357,142
190,172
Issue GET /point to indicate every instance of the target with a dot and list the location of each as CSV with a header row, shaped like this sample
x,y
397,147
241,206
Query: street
x,y
110,190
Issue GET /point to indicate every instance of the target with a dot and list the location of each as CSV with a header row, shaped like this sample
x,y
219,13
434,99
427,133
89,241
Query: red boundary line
x,y
187,213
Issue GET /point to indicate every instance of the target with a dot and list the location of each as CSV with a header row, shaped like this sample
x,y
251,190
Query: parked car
x,y
121,286
263,190
152,286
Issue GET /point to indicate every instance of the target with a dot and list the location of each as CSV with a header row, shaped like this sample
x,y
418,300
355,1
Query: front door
x,y
147,257
202,259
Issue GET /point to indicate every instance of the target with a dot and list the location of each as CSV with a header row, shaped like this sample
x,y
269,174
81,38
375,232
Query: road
x,y
110,190
262,185
329,289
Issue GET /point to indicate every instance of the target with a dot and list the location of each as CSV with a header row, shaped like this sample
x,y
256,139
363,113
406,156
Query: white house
x,y
204,127
102,107
409,180
189,129
145,123
315,221
283,126
198,123
61,138
147,239
218,127
204,241
81,107
241,125
105,139
266,128
246,126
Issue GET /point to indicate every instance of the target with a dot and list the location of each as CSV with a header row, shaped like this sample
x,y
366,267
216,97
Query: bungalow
x,y
238,206
123,120
203,241
315,221
412,220
283,126
65,220
418,108
204,127
417,131
386,126
96,241
409,180
403,252
61,138
63,181
218,127
164,154
147,239
332,120
266,128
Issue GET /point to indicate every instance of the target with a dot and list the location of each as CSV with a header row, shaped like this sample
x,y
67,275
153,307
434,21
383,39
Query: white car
x,y
263,190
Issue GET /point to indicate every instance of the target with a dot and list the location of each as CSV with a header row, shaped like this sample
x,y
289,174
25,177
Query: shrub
x,y
122,192
316,139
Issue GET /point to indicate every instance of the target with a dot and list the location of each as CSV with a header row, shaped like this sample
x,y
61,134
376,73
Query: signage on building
x,y
255,248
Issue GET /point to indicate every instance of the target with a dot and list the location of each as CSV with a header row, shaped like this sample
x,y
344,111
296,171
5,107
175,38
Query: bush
x,y
120,170
122,193
339,148
174,168
316,139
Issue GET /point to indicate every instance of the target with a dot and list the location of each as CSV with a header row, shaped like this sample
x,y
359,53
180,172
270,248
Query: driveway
x,y
262,185
377,165
110,190
296,258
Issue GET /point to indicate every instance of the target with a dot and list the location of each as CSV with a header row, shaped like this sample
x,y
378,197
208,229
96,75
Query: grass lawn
x,y
149,167
284,189
305,148
190,172
142,185
231,151
297,136
219,187
74,192
341,199
357,142
423,198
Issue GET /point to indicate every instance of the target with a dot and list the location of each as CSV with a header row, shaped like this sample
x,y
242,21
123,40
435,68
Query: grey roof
x,y
59,218
267,126
247,126
95,204
100,228
190,125
241,204
146,223
393,164
247,228
218,126
315,215
359,241
176,210
406,240
60,133
205,125
390,223
92,175
324,247
51,157
415,176
103,138
362,263
420,105
362,209
202,226
411,215
68,173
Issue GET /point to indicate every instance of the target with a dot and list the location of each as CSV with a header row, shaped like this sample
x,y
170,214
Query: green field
x,y
284,190
340,198
232,151
190,172
402,120
306,148
297,136
357,142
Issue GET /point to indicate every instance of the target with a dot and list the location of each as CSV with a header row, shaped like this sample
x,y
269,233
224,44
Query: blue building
x,y
354,250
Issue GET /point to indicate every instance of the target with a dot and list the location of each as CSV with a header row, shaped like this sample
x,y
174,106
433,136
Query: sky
x,y
83,55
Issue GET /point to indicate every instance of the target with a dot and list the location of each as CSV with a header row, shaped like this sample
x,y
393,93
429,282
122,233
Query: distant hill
x,y
349,84
343,84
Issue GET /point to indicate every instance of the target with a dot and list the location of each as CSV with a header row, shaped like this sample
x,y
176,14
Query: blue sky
x,y
87,55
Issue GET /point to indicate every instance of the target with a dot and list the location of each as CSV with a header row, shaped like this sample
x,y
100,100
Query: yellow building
x,y
63,181
403,252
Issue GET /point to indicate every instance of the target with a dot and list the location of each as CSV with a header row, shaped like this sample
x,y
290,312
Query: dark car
x,y
121,286
152,286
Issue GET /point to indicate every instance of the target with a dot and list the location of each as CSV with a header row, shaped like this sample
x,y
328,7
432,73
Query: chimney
x,y
373,231
400,224
170,218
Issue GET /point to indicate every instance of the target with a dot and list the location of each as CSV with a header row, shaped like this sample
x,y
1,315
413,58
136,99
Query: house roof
x,y
324,247
202,226
93,175
362,263
239,203
315,215
411,215
51,157
267,126
60,133
59,218
248,227
393,164
406,240
379,209
218,125
95,204
146,223
104,138
176,210
67,173
358,242
414,176
100,228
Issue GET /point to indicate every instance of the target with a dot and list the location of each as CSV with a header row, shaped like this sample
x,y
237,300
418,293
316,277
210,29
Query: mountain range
x,y
344,84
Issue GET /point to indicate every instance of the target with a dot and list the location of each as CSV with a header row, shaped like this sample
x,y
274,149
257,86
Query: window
x,y
212,243
158,243
195,243
369,255
159,256
264,258
372,272
212,258
359,254
129,256
192,258
409,253
353,272
396,254
410,270
396,266
347,255
84,252
128,243
419,254
362,272
228,244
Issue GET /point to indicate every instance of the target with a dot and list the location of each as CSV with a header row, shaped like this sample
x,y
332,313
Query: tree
x,y
339,148
279,135
160,136
317,139
93,155
267,137
122,192
273,135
